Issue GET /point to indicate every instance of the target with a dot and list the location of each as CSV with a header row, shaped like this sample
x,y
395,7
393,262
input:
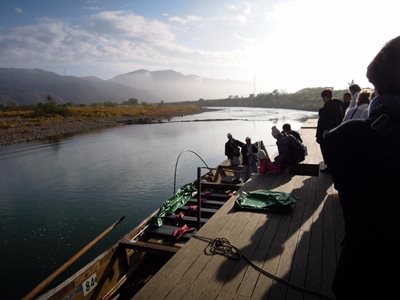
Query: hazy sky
x,y
282,44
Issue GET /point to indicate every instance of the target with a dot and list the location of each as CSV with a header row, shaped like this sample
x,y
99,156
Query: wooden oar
x,y
61,269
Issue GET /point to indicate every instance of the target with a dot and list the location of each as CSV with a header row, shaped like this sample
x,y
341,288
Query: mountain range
x,y
30,86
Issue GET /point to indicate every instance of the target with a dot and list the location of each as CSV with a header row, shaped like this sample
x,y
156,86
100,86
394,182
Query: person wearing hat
x,y
285,157
266,166
249,152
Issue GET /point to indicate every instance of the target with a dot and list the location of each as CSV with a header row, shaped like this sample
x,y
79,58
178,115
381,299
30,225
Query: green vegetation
x,y
50,112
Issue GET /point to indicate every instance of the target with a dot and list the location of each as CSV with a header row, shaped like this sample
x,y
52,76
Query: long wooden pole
x,y
61,269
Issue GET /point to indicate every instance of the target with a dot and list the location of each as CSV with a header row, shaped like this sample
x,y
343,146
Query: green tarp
x,y
178,200
265,201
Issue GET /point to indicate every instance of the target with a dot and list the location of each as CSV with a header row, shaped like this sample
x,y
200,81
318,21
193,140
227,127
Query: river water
x,y
57,195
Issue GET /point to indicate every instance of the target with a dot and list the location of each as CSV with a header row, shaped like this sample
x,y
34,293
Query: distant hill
x,y
173,86
305,99
30,86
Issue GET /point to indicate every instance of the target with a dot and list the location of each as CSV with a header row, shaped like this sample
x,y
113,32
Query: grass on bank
x,y
41,114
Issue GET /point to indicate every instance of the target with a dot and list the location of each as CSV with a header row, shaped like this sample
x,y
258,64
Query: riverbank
x,y
23,129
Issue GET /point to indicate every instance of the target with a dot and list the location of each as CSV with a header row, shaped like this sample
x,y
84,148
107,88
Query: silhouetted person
x,y
288,130
346,101
330,116
364,158
354,90
232,150
249,152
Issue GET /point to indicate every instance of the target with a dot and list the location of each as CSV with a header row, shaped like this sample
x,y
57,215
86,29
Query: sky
x,y
275,44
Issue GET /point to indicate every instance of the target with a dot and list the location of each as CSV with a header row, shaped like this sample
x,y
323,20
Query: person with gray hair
x,y
354,90
364,159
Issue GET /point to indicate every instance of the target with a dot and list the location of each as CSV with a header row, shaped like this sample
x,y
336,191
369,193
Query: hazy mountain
x,y
173,86
29,86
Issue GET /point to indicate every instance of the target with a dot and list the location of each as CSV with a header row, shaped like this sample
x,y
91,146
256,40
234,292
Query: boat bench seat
x,y
221,186
149,247
210,202
188,219
167,230
203,209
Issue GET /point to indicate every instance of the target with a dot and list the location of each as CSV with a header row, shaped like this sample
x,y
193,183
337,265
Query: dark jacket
x,y
330,116
245,157
285,152
232,148
296,135
364,160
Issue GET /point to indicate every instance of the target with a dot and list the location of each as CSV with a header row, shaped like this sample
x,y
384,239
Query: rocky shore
x,y
67,126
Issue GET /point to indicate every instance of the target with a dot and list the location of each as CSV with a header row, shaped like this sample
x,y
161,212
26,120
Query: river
x,y
57,195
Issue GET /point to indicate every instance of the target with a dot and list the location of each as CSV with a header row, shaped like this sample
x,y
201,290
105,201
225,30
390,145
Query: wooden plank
x,y
301,247
328,245
204,264
314,270
278,291
188,219
149,247
167,230
198,278
203,209
301,257
259,242
208,202
177,266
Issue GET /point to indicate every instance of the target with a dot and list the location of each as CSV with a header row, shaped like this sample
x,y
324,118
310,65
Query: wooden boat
x,y
122,270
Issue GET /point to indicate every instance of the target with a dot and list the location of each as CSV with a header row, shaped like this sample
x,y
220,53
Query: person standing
x,y
232,151
364,159
354,90
346,101
330,116
249,152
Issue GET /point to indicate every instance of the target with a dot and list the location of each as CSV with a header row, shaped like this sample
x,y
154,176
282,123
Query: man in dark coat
x,y
330,116
364,160
232,148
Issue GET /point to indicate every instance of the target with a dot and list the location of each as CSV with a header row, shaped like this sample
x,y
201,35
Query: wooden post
x,y
198,198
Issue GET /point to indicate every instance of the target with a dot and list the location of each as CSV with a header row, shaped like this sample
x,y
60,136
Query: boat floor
x,y
301,247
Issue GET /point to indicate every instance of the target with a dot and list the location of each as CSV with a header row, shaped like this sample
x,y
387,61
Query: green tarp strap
x,y
265,201
178,200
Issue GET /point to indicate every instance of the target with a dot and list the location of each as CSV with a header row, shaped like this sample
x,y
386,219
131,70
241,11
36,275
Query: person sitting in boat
x,y
232,150
285,157
249,152
266,165
287,128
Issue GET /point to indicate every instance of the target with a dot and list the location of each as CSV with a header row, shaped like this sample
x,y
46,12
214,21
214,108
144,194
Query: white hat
x,y
261,154
275,131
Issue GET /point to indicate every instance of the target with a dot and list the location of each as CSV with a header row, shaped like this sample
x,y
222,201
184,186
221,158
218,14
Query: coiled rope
x,y
222,246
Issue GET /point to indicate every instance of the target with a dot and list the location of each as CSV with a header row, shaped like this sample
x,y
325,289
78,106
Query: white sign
x,y
89,284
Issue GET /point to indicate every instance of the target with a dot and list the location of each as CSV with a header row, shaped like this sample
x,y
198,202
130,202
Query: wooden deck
x,y
301,247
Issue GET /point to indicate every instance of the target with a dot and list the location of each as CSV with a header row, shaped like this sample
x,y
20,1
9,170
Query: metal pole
x,y
198,198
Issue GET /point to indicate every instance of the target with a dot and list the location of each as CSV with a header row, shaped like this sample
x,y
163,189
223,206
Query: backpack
x,y
298,149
